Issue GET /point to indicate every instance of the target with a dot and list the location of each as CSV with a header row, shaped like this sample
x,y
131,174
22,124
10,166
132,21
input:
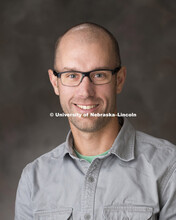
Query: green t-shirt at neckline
x,y
89,158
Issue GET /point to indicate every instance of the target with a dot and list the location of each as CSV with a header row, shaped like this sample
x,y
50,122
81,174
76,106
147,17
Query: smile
x,y
86,106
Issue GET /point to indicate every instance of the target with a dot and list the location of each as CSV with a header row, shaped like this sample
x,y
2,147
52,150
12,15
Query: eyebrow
x,y
69,69
75,69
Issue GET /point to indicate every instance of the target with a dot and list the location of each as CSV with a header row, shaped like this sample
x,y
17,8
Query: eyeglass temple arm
x,y
116,70
56,74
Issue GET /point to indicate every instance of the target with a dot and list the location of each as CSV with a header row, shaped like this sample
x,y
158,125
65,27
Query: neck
x,y
94,143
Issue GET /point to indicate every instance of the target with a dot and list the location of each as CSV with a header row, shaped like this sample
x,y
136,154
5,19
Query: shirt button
x,y
91,179
87,217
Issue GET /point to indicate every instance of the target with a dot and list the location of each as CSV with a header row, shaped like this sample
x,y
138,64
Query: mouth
x,y
86,108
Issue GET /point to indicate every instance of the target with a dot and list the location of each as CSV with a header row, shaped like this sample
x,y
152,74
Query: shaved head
x,y
89,33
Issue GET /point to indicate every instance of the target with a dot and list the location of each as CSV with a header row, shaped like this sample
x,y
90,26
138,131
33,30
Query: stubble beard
x,y
90,123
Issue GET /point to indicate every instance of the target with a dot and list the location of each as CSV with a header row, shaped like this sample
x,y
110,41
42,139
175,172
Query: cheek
x,y
107,92
110,98
65,94
63,90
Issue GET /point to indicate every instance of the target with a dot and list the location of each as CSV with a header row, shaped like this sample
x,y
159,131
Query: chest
x,y
106,189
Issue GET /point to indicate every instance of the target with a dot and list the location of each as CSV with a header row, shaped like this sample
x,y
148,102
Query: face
x,y
86,98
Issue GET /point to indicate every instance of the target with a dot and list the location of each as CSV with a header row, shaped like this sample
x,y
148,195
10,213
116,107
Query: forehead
x,y
82,37
82,47
86,34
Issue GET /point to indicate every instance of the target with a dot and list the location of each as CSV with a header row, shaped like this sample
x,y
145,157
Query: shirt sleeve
x,y
168,211
23,207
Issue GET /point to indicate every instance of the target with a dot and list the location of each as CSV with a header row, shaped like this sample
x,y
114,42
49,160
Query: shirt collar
x,y
69,144
123,146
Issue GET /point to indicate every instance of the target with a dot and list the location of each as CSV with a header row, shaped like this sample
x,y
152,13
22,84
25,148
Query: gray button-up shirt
x,y
136,180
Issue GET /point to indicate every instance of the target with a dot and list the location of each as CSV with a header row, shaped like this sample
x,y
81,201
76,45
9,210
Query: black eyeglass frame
x,y
84,74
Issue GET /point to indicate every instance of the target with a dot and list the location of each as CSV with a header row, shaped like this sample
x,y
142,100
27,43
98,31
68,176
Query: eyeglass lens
x,y
97,77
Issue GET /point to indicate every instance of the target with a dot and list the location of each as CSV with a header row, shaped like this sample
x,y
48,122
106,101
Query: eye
x,y
98,75
71,75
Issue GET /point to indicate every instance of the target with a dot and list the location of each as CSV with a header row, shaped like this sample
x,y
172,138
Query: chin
x,y
89,125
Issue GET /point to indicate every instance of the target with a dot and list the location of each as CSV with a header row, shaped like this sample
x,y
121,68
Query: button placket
x,y
88,191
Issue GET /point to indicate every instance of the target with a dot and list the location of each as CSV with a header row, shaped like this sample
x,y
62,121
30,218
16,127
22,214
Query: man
x,y
105,169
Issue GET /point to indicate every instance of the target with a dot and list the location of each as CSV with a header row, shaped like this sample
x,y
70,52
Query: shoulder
x,y
149,143
159,154
47,161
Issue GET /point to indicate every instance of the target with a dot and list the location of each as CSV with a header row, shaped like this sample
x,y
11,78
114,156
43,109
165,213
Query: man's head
x,y
91,32
87,47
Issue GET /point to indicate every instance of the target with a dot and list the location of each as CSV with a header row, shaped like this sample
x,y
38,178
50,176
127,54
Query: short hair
x,y
93,27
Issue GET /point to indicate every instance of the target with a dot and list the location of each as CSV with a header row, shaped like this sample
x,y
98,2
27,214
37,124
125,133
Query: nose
x,y
86,88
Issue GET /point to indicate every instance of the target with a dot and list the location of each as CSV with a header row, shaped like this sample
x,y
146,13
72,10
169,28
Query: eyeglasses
x,y
97,77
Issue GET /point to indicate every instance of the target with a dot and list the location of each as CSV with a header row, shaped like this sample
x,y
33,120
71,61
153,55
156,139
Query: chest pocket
x,y
128,213
61,214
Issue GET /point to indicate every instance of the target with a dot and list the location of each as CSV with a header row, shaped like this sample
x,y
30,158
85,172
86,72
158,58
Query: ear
x,y
121,75
54,81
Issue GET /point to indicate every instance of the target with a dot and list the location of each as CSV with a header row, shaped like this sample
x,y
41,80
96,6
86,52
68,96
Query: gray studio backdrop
x,y
146,31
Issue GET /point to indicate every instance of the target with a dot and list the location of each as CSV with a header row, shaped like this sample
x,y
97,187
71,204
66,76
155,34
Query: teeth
x,y
86,106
